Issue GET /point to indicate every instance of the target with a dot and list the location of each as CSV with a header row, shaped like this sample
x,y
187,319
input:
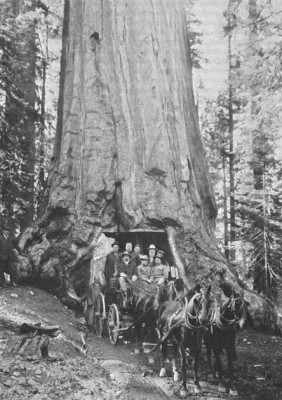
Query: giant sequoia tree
x,y
128,152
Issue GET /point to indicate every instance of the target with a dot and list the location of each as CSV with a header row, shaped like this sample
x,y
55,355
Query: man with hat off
x,y
110,264
126,269
159,271
127,247
152,252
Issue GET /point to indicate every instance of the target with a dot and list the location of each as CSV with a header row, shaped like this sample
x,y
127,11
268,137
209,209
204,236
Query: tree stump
x,y
35,341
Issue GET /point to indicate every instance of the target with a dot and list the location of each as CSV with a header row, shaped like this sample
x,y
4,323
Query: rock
x,y
97,263
38,372
14,295
8,383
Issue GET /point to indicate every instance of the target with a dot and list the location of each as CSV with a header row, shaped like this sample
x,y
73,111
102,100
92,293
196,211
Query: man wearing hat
x,y
126,269
144,269
135,255
7,244
152,252
110,263
159,271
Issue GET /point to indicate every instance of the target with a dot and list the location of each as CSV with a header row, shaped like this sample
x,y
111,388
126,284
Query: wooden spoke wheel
x,y
99,314
113,323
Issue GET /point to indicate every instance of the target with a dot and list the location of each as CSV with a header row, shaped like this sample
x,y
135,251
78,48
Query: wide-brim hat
x,y
115,243
144,257
125,253
160,254
152,247
137,245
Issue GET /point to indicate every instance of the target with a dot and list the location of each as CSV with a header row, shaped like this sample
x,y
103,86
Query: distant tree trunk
x,y
262,275
225,208
29,96
231,137
256,134
128,150
20,108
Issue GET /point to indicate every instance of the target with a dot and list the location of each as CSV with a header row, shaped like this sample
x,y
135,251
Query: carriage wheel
x,y
113,323
99,313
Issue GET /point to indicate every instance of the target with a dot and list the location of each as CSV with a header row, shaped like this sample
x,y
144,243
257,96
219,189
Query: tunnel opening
x,y
144,238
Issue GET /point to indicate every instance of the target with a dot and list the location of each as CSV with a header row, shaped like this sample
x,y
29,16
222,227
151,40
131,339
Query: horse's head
x,y
233,310
198,307
166,292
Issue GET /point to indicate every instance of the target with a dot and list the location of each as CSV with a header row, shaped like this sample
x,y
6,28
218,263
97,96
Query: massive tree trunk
x,y
129,153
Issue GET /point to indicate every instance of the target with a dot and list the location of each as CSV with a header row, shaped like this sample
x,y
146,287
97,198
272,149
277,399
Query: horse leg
x,y
198,388
138,337
218,368
230,357
183,390
207,340
176,375
163,358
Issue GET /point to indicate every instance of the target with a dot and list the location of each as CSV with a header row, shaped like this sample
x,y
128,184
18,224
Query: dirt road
x,y
83,366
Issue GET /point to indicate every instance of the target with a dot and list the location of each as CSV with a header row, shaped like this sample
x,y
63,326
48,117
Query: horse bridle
x,y
188,316
217,317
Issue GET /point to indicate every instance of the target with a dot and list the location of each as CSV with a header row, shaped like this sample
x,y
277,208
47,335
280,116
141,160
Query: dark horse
x,y
183,326
142,306
172,291
221,334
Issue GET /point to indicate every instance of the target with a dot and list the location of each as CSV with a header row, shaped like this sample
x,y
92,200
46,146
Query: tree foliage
x,y
26,120
257,101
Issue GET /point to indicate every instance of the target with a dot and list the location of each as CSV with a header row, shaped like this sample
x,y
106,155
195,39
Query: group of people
x,y
148,269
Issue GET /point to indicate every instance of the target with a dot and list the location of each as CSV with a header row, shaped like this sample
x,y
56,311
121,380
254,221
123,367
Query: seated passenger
x,y
126,269
144,270
159,272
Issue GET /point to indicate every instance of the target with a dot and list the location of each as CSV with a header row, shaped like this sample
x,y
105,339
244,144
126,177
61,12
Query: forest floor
x,y
83,366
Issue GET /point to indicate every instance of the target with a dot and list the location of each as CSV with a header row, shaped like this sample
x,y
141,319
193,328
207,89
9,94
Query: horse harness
x,y
220,321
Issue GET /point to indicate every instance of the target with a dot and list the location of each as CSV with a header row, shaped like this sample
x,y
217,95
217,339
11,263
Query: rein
x,y
176,292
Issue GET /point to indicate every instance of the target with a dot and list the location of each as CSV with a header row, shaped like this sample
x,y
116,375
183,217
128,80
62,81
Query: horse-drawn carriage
x,y
112,312
185,320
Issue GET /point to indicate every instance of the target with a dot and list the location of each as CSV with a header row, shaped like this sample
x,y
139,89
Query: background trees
x,y
254,52
26,116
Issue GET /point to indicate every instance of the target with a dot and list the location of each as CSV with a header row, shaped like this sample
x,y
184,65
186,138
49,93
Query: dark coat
x,y
135,259
6,255
6,248
110,266
130,269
